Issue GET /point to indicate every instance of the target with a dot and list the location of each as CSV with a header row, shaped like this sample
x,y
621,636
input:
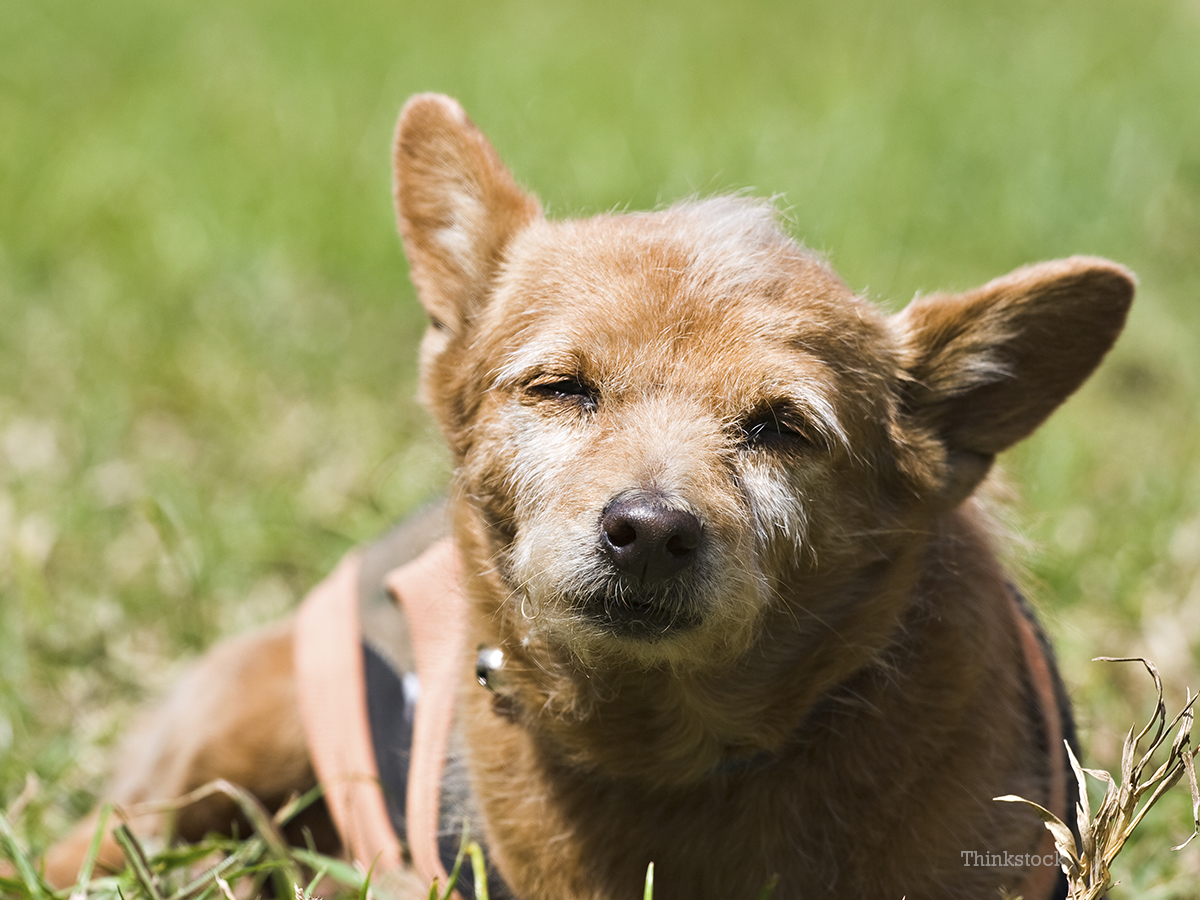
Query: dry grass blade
x,y
1064,841
1087,865
223,885
1189,765
32,786
260,820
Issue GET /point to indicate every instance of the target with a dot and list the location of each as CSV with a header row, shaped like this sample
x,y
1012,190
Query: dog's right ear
x,y
457,207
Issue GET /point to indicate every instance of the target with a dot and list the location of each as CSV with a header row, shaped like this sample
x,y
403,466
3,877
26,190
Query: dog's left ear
x,y
987,367
457,207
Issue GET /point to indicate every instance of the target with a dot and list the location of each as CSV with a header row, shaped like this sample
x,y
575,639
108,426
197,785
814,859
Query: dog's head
x,y
670,426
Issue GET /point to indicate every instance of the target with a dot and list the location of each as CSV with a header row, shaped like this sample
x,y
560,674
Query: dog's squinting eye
x,y
566,389
773,430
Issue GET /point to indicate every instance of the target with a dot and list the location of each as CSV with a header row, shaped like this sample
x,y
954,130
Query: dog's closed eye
x,y
565,389
776,427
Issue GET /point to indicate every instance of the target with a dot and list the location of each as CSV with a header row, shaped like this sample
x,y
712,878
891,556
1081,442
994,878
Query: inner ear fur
x,y
457,207
987,367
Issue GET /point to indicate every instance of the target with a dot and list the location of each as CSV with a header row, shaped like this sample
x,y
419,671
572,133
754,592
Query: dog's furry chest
x,y
867,801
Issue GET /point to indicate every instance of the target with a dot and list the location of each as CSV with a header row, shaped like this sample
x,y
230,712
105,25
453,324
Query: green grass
x,y
207,332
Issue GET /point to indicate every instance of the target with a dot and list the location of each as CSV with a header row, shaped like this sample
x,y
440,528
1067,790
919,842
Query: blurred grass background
x,y
207,333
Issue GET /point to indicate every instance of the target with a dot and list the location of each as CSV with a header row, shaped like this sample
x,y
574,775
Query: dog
x,y
714,525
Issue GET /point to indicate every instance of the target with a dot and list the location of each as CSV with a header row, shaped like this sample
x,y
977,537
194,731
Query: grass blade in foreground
x,y
8,843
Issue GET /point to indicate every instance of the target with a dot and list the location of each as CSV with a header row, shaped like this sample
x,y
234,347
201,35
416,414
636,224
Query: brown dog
x,y
715,512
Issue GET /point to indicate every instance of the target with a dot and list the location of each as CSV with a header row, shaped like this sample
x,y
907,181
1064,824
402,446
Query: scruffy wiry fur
x,y
832,690
814,677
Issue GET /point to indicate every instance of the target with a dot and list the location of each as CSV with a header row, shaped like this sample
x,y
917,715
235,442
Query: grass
x,y
207,333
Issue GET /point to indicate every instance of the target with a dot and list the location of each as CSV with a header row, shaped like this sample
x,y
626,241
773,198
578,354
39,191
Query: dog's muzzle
x,y
652,547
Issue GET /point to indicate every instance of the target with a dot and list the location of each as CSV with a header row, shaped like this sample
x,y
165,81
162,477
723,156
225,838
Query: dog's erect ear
x,y
987,367
457,207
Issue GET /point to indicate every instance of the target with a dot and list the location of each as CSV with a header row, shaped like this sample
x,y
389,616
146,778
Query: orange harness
x,y
329,667
1045,881
329,654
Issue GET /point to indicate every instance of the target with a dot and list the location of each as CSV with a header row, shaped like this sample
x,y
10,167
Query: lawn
x,y
207,333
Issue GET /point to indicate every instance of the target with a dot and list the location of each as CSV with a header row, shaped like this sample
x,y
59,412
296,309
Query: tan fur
x,y
835,691
852,693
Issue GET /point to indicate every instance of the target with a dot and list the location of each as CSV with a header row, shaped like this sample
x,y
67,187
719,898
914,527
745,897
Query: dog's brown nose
x,y
646,538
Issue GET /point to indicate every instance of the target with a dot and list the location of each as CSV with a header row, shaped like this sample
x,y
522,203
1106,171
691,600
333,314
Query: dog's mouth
x,y
649,615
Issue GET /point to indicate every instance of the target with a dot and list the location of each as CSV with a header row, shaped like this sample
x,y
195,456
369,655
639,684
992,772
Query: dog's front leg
x,y
233,716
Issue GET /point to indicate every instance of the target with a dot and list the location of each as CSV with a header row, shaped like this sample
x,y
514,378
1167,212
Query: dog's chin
x,y
637,615
604,620
621,624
